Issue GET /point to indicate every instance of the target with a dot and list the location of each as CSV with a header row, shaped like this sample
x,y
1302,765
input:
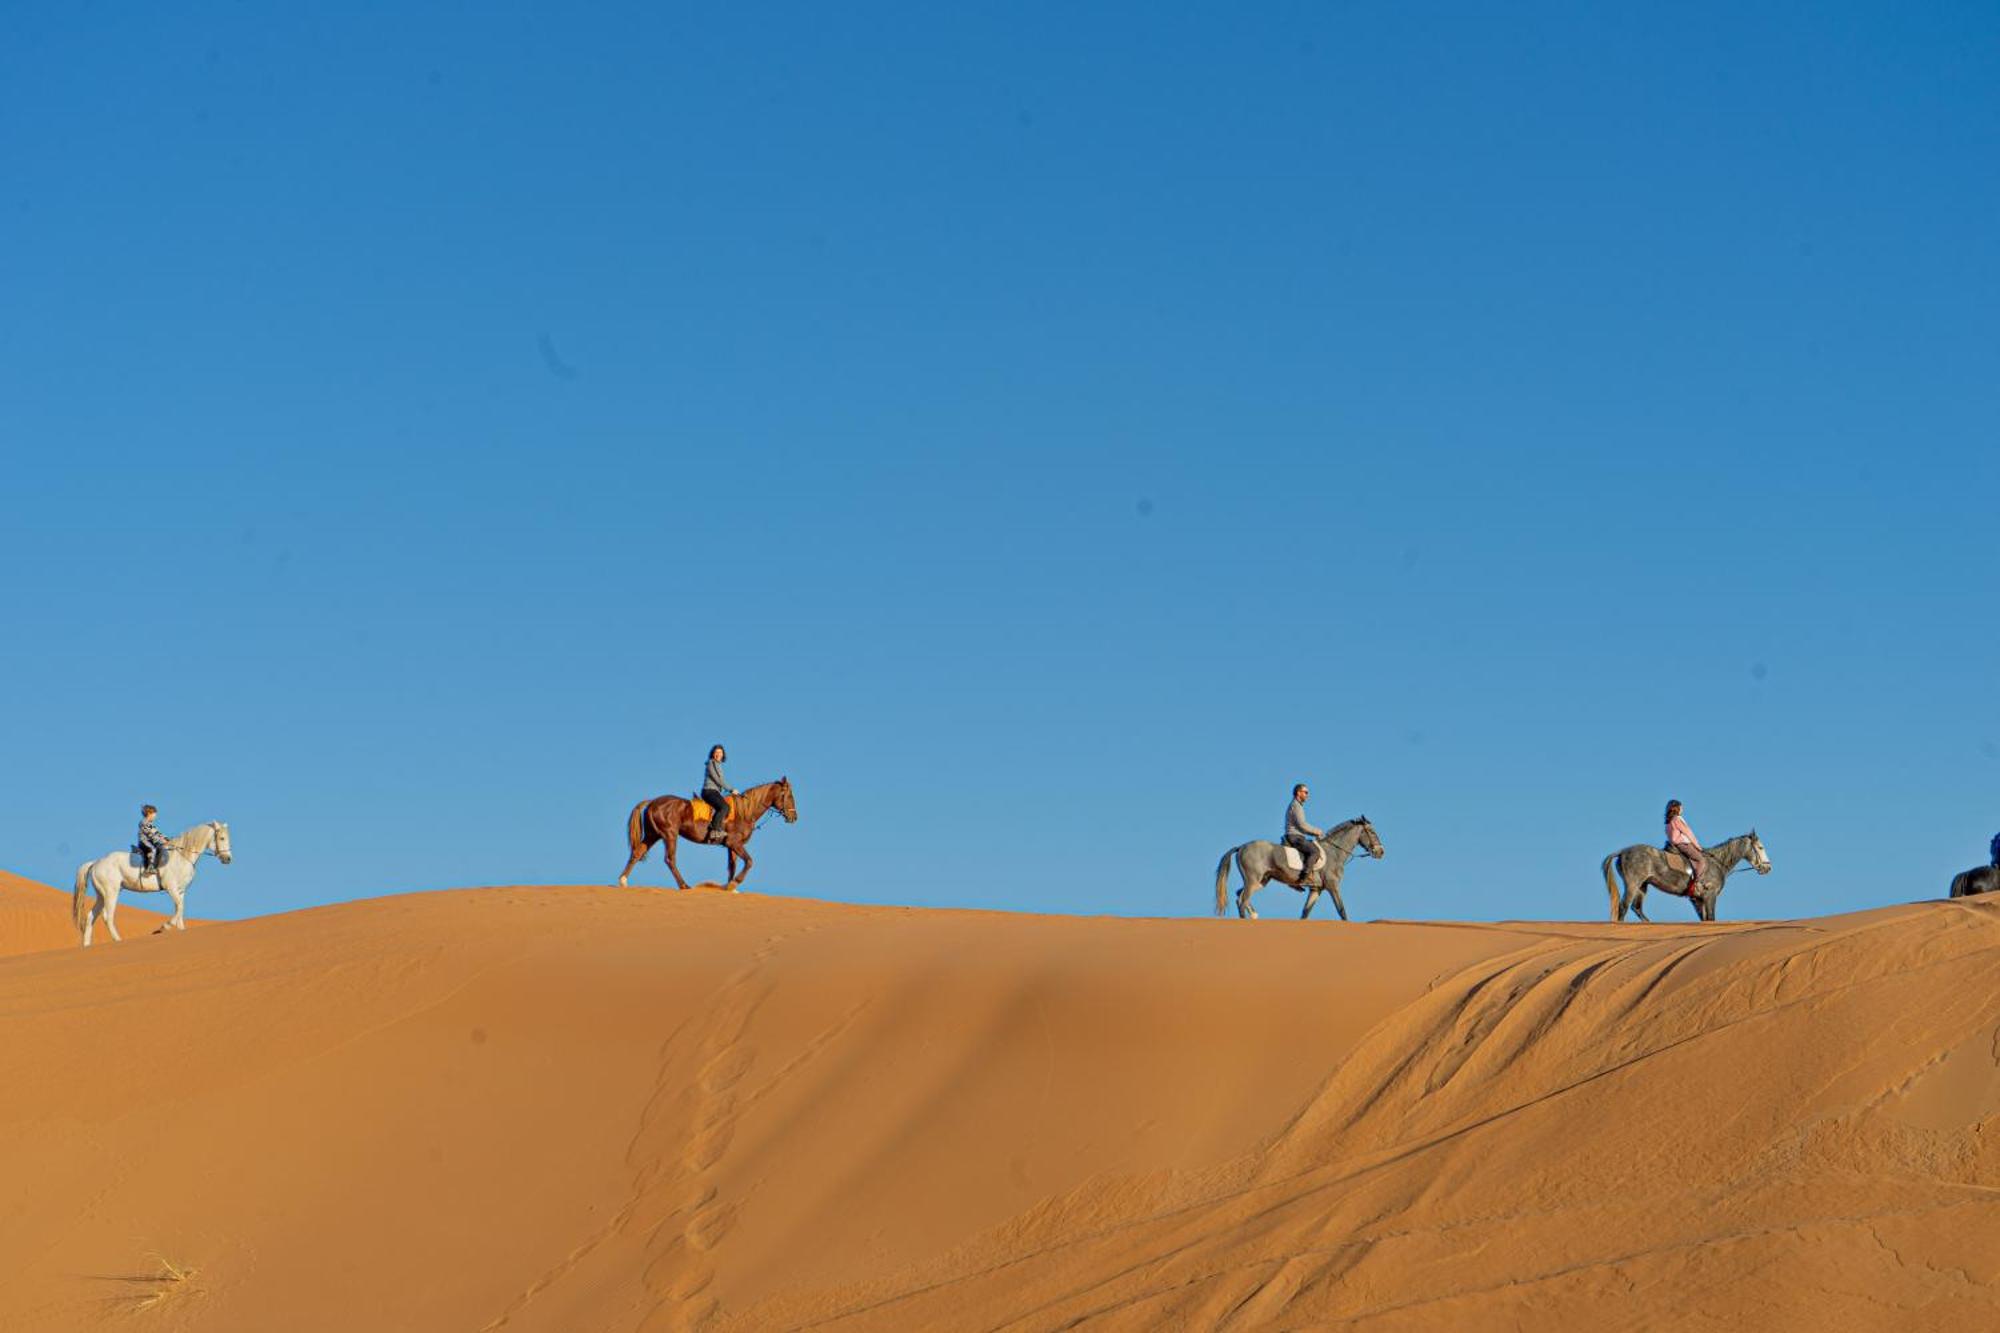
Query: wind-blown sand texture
x,y
583,1108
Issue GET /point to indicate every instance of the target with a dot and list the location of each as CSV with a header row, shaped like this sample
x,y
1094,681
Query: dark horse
x,y
668,818
1979,879
1645,867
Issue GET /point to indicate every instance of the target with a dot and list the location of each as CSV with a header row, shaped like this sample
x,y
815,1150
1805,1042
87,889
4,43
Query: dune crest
x,y
557,1109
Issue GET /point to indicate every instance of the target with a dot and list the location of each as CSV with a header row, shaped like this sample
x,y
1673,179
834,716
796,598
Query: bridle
x,y
1748,857
214,847
1363,826
769,810
215,829
1360,843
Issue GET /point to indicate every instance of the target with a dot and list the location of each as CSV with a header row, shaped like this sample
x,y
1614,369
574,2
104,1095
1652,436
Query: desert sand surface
x,y
34,916
576,1108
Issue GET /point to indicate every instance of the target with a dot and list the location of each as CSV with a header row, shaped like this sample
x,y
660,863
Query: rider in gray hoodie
x,y
1302,835
716,791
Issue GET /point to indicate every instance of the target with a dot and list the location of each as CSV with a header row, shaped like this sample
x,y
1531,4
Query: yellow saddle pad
x,y
703,810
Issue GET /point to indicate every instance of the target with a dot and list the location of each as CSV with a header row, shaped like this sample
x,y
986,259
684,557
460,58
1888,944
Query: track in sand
x,y
587,1108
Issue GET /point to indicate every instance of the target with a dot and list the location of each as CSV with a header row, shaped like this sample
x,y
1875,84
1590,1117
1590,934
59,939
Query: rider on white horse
x,y
153,845
1302,835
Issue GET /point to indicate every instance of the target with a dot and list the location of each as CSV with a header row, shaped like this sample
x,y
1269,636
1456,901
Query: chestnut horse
x,y
670,818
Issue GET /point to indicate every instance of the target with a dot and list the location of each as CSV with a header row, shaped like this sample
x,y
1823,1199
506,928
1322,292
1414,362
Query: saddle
x,y
701,810
1678,864
139,864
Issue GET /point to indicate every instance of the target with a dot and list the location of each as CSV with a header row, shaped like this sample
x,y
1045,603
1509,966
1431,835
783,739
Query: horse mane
x,y
184,842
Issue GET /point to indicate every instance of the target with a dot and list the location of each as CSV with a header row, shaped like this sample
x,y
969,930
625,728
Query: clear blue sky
x,y
1043,432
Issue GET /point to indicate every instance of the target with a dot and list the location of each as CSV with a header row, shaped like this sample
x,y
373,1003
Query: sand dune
x,y
582,1108
34,916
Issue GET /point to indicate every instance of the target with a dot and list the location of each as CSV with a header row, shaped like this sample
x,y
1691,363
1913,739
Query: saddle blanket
x,y
703,810
1290,858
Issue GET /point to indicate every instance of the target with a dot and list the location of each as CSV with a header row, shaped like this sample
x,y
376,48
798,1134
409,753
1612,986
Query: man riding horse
x,y
1302,836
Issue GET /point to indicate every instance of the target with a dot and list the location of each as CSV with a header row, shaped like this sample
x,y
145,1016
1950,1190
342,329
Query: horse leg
x,y
1639,902
1250,885
179,895
1338,905
672,864
90,917
107,900
1312,896
735,850
639,854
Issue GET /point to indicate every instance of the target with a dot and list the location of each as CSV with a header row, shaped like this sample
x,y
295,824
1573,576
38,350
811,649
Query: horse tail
x,y
1958,883
79,910
635,828
1610,884
1222,881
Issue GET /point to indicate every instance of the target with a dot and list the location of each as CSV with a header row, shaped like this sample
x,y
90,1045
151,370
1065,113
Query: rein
x,y
214,827
1326,841
770,807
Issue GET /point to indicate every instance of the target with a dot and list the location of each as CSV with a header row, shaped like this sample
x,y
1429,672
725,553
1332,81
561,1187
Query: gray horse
x,y
1645,867
1260,861
1979,879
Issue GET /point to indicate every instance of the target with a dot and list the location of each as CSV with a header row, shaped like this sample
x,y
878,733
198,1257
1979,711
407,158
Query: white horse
x,y
123,872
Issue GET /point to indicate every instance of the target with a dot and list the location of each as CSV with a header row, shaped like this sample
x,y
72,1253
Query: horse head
x,y
781,797
222,852
1371,841
1760,860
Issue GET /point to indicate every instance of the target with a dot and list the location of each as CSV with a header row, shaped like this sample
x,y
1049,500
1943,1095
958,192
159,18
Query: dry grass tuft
x,y
173,1281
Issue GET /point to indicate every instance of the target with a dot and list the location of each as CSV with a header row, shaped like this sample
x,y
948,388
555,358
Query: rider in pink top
x,y
1680,838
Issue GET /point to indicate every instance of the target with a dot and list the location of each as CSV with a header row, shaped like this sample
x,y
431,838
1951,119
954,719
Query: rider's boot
x,y
718,830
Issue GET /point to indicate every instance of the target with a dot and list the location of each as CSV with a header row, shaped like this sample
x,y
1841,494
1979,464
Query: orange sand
x,y
586,1108
34,916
